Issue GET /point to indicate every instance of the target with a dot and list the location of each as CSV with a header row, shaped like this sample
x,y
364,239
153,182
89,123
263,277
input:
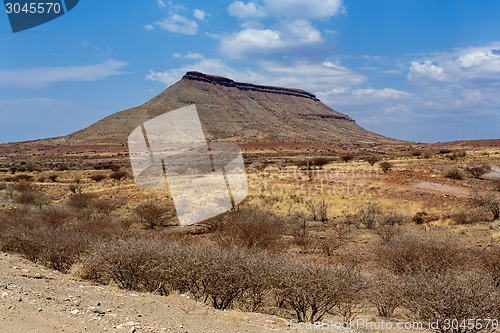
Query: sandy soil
x,y
36,299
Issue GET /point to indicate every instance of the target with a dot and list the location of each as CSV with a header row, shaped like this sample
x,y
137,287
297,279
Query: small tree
x,y
385,166
478,171
372,160
151,214
97,178
347,157
487,200
118,175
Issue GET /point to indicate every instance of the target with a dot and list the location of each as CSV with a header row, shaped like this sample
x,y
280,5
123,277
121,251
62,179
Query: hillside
x,y
237,112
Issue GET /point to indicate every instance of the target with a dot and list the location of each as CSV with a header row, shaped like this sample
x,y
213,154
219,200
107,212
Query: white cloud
x,y
245,11
303,9
179,24
161,4
199,14
292,9
475,66
149,27
289,37
36,77
189,55
426,71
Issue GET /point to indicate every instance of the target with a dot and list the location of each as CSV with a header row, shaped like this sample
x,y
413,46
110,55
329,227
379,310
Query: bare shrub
x,y
312,291
251,229
372,160
22,178
486,200
152,214
347,157
98,177
81,201
490,263
53,178
301,235
407,254
118,175
320,162
478,171
368,215
32,197
127,262
104,206
385,166
385,293
318,209
453,296
454,173
388,226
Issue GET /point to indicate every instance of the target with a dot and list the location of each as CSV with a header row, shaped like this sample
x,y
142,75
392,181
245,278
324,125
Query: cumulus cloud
x,y
179,24
42,76
293,9
303,9
245,11
476,66
288,37
199,14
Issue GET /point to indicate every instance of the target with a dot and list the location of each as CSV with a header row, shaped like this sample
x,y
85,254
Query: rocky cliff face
x,y
225,82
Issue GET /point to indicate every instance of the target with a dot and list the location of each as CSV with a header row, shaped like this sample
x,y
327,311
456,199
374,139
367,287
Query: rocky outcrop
x,y
222,81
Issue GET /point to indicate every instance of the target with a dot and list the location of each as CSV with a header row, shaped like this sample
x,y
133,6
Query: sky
x,y
419,70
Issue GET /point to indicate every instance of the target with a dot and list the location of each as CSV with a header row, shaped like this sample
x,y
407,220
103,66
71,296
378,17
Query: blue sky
x,y
421,70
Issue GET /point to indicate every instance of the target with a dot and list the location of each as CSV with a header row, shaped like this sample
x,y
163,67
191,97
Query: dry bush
x,y
454,173
372,160
385,166
388,226
451,295
22,178
320,162
385,293
81,201
407,254
301,235
346,157
53,178
152,214
99,177
368,215
490,263
419,217
250,229
312,291
33,197
318,209
478,171
486,200
118,175
105,206
126,262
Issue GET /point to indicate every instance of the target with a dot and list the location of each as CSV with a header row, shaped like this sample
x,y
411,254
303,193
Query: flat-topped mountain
x,y
237,112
